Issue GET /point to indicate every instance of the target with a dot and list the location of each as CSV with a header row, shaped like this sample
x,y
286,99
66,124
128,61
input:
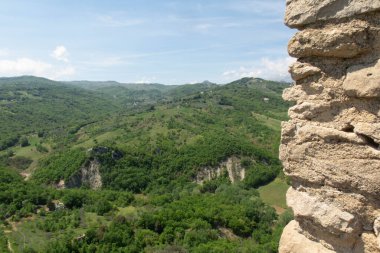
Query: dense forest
x,y
111,167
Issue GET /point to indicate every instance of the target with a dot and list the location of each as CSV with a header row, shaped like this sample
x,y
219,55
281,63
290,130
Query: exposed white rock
x,y
88,175
232,166
293,241
322,213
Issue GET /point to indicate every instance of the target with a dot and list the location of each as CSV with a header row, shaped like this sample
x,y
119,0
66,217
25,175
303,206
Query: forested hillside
x,y
35,105
106,167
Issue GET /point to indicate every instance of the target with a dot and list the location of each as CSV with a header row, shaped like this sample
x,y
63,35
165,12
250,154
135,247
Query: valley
x,y
112,167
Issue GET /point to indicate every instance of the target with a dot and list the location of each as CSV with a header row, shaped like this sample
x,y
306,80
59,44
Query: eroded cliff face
x,y
331,145
88,175
232,166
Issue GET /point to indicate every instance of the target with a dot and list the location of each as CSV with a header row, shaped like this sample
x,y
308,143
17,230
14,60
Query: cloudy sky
x,y
165,41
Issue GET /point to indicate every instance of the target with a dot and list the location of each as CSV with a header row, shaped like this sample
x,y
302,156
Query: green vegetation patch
x,y
274,193
60,166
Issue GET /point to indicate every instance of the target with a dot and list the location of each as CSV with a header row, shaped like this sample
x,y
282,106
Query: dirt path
x,y
10,246
279,210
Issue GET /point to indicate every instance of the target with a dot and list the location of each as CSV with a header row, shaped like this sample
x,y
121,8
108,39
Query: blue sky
x,y
165,41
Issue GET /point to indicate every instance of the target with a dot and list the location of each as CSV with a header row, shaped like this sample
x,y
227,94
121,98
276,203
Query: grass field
x,y
130,212
88,143
275,124
31,152
25,235
274,194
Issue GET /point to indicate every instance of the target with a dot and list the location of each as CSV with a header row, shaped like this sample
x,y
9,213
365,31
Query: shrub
x,y
24,142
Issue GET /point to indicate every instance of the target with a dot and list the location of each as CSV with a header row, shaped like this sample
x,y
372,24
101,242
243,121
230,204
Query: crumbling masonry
x,y
330,146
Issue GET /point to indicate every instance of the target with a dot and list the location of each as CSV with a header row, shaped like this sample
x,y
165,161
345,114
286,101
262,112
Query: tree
x,y
24,142
102,207
74,199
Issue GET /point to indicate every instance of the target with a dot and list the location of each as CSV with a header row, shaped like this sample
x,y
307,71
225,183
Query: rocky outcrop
x,y
88,175
232,166
330,148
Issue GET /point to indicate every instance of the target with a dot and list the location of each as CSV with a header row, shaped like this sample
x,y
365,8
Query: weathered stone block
x,y
322,213
293,241
330,147
300,70
363,80
303,12
343,41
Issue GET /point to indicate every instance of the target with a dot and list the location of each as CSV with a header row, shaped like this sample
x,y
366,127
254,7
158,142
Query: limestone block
x,y
300,70
364,209
314,92
343,41
323,213
371,130
308,110
363,80
303,12
367,244
294,93
324,155
345,166
330,147
293,241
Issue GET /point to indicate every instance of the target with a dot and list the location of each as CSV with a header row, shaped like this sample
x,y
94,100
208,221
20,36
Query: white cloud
x,y
270,69
23,66
114,21
27,66
146,80
60,53
4,52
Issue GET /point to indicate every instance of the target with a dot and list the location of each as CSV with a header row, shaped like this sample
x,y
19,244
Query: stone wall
x,y
330,146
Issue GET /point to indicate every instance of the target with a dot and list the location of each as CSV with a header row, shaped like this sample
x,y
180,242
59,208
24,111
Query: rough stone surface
x,y
363,80
343,41
302,70
322,213
293,241
376,226
88,175
303,12
232,166
330,147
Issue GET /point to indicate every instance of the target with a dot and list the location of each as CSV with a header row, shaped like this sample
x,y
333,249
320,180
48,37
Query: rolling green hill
x,y
36,105
150,147
175,138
